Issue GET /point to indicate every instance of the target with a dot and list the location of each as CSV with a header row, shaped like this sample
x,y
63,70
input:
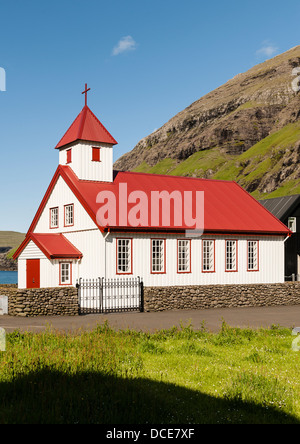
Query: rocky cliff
x,y
9,242
247,130
7,264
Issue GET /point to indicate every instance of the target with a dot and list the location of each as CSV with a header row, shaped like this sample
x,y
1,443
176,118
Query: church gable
x,y
62,212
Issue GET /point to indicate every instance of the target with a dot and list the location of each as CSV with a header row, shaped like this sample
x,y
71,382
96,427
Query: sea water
x,y
8,277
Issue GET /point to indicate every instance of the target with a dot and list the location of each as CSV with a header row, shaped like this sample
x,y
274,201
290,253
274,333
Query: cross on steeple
x,y
85,92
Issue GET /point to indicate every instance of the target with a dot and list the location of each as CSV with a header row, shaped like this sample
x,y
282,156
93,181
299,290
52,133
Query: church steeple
x,y
87,147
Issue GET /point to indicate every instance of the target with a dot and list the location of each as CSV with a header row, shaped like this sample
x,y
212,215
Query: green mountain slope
x,y
11,239
274,162
247,130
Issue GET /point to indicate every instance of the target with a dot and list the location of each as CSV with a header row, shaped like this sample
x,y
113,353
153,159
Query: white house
x,y
94,222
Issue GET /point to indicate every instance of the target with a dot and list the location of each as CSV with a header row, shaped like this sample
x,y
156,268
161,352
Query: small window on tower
x,y
96,154
69,156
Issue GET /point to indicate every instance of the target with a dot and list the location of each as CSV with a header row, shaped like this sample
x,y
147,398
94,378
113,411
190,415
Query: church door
x,y
33,273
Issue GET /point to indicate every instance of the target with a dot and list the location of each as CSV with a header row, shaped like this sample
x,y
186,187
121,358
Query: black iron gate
x,y
110,295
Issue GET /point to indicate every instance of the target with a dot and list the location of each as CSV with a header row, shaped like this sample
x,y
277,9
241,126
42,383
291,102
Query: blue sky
x,y
144,61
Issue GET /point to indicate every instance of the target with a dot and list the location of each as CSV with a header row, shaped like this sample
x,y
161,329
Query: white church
x,y
94,222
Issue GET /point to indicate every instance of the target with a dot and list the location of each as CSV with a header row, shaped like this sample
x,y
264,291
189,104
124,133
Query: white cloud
x,y
125,44
268,49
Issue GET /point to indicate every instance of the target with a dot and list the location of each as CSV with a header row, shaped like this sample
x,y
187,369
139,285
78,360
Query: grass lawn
x,y
179,376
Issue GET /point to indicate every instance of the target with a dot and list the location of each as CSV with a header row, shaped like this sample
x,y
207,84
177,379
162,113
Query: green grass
x,y
195,165
281,139
11,239
142,168
261,159
163,167
268,149
178,376
200,162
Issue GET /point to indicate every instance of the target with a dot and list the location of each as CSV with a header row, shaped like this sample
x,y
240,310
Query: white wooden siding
x,y
92,246
271,261
31,251
21,273
60,196
49,272
100,260
82,163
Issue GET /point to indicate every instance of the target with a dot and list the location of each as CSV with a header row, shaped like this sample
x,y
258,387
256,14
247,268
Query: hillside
x,y
9,241
247,130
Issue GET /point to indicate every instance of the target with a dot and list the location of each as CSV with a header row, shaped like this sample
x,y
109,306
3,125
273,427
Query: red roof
x,y
54,246
228,208
87,127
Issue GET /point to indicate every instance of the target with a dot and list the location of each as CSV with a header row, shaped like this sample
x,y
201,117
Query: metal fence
x,y
293,277
110,295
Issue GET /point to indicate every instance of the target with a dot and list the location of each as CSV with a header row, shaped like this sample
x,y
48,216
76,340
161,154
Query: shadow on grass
x,y
48,396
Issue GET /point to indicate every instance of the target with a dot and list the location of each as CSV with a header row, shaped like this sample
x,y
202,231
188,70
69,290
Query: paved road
x,y
285,316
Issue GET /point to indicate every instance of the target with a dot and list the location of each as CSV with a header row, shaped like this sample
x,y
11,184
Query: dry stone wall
x,y
221,296
64,301
41,301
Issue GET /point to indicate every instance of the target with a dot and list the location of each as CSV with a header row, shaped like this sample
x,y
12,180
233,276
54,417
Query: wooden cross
x,y
85,92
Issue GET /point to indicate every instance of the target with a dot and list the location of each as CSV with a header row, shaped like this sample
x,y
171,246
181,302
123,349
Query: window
x,y
231,255
124,250
95,154
69,156
158,256
184,256
252,255
292,224
54,217
65,273
208,253
69,215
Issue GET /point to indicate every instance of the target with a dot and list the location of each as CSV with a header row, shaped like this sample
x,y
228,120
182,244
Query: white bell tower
x,y
87,147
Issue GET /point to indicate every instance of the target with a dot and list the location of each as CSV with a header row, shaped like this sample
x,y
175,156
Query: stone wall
x,y
64,301
220,296
41,301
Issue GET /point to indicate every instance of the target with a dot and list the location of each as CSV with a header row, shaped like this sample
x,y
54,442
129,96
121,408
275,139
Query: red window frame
x,y
69,155
190,268
117,256
254,269
236,255
50,218
60,273
151,256
214,249
68,225
96,154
